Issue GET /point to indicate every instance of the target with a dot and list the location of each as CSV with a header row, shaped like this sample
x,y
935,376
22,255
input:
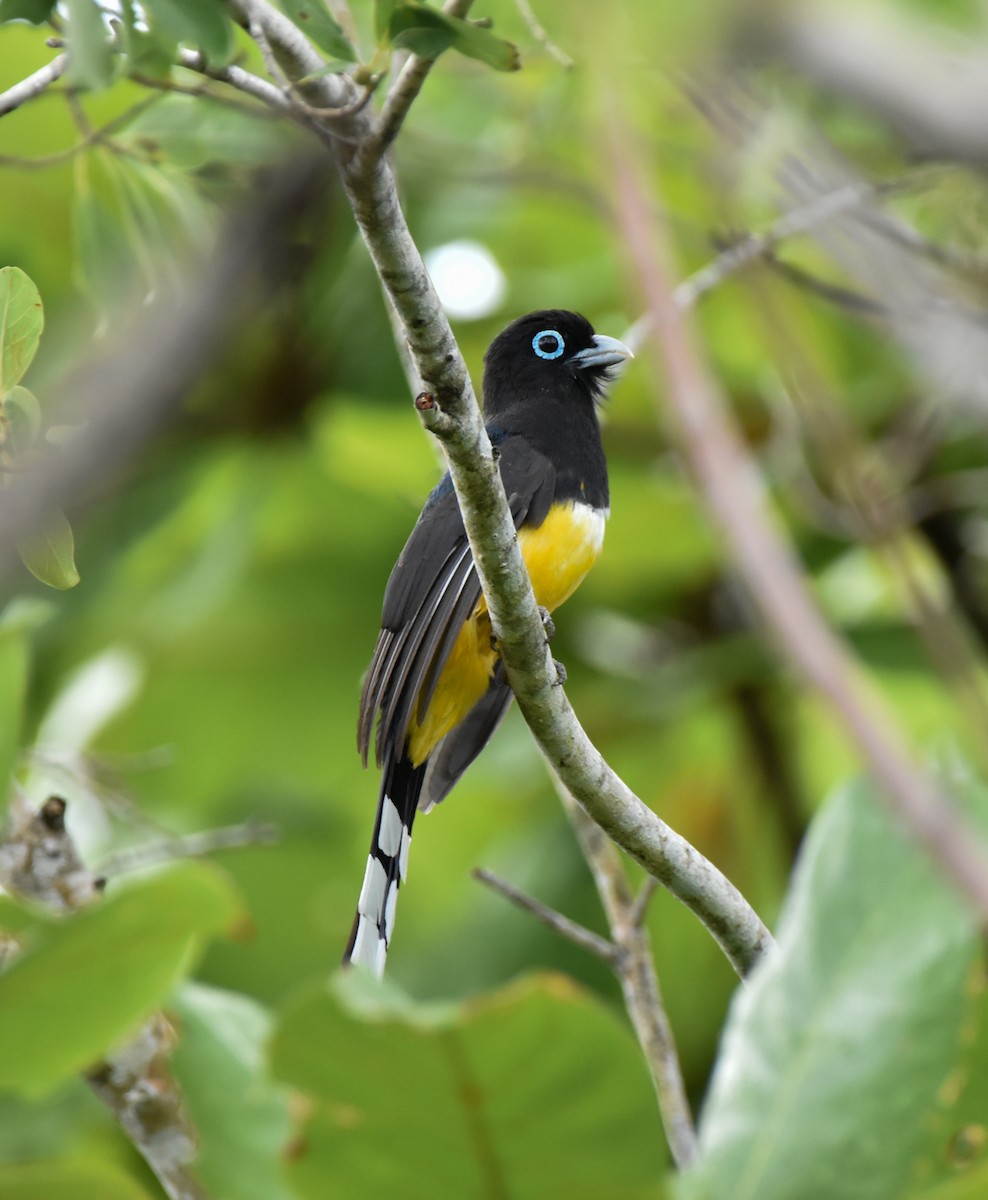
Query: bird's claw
x,y
560,672
548,624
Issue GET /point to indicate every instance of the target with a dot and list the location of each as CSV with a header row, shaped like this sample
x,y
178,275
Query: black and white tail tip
x,y
387,866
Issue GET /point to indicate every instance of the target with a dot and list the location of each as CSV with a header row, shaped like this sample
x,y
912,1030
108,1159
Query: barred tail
x,y
387,866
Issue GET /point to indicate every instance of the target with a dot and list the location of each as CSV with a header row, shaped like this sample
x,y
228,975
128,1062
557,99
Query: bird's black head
x,y
548,353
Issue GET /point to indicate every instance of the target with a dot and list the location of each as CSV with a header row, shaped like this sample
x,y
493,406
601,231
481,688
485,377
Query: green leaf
x,y
84,984
428,32
201,23
22,318
538,1090
50,557
73,1179
90,53
315,21
242,1116
35,11
193,134
835,1054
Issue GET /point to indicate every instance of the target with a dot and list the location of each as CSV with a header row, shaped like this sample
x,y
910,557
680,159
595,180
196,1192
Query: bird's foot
x,y
560,672
548,624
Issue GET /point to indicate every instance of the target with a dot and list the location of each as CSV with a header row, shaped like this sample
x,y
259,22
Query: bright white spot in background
x,y
470,283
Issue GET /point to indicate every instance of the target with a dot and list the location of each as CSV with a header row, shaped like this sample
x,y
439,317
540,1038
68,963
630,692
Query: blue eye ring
x,y
548,333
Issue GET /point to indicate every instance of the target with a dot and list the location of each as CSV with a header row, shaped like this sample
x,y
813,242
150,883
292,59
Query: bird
x,y
436,687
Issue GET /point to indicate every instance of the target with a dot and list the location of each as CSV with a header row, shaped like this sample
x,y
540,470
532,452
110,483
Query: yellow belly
x,y
558,555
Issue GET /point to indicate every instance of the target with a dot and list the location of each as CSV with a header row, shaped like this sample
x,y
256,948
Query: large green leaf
x,y
90,54
315,21
835,1053
82,985
73,1179
22,318
241,1115
428,32
534,1091
35,11
201,23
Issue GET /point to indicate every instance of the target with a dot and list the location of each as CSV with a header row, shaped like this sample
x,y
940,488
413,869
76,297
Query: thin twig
x,y
752,247
540,35
237,77
573,932
192,845
34,85
635,969
401,98
638,910
93,137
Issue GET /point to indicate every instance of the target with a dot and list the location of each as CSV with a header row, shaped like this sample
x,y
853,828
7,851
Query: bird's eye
x,y
548,344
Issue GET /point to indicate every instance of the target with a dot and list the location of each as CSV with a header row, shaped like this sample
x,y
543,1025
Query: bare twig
x,y
34,85
237,77
573,932
192,845
636,973
92,137
540,35
727,477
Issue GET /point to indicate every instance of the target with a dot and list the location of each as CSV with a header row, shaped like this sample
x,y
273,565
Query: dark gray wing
x,y
432,590
461,745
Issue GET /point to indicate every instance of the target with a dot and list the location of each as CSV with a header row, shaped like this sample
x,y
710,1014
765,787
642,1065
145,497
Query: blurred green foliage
x,y
207,670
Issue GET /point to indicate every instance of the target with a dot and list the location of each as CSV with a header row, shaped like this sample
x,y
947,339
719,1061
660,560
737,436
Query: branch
x,y
570,753
190,845
39,860
635,970
726,475
572,931
451,410
34,85
237,77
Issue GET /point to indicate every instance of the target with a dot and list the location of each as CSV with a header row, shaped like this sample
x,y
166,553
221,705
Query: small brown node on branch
x,y
53,814
425,401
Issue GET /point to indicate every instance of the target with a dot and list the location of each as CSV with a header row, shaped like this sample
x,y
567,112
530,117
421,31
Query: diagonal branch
x,y
453,414
34,85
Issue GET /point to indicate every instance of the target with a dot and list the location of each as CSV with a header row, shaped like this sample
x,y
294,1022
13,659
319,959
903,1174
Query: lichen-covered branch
x,y
33,85
454,416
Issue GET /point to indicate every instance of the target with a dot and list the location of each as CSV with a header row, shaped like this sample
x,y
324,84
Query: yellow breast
x,y
558,555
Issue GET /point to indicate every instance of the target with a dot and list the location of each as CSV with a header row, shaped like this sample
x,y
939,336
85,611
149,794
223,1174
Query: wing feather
x,y
431,593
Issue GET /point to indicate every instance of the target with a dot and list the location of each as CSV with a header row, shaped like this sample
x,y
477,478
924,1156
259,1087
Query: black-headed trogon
x,y
435,681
